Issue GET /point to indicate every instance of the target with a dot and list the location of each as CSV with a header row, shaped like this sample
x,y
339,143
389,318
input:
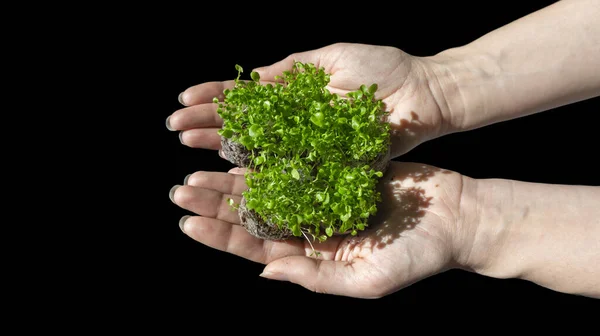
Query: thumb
x,y
268,73
320,276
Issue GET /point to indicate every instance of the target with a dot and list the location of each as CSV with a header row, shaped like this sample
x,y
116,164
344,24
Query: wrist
x,y
461,80
484,230
544,233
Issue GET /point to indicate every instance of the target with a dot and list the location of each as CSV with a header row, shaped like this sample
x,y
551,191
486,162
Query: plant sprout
x,y
311,150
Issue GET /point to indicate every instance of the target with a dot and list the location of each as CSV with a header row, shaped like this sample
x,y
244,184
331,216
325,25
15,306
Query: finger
x,y
238,171
205,92
206,202
276,69
236,240
321,276
197,116
225,183
206,138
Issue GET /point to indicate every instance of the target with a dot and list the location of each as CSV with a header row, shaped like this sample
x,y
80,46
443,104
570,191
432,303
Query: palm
x,y
415,115
408,240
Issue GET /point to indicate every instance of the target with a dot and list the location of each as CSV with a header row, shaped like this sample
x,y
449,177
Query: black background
x,y
193,45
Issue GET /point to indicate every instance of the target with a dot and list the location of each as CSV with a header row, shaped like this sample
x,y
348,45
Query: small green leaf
x,y
296,230
251,204
255,76
295,174
247,142
255,130
355,123
239,68
373,88
317,119
329,231
227,133
345,226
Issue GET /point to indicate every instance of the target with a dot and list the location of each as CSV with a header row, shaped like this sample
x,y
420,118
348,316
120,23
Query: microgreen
x,y
311,150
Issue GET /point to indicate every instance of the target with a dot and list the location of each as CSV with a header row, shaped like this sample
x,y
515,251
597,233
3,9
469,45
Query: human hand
x,y
412,236
404,82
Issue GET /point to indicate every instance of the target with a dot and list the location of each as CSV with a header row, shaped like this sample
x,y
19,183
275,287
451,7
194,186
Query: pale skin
x,y
433,220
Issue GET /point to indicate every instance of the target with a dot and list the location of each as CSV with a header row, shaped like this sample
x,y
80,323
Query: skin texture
x,y
408,240
544,60
548,234
432,220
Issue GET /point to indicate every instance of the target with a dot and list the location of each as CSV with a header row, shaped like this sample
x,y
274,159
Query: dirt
x,y
235,152
258,227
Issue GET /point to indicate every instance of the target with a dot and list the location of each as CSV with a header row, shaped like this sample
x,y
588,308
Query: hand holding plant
x,y
412,236
429,220
343,153
407,86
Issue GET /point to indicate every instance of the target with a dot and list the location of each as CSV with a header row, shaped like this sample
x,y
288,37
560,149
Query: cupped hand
x,y
413,235
404,82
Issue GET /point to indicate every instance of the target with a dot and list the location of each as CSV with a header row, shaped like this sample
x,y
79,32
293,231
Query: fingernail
x,y
172,192
182,222
180,99
187,177
169,124
274,276
181,137
221,154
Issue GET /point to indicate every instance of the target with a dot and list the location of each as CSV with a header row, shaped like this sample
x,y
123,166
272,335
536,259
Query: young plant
x,y
314,157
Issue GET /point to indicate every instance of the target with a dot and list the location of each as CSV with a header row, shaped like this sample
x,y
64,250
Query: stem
x,y
311,245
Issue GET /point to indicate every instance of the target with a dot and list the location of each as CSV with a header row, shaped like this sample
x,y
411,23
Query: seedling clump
x,y
314,157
